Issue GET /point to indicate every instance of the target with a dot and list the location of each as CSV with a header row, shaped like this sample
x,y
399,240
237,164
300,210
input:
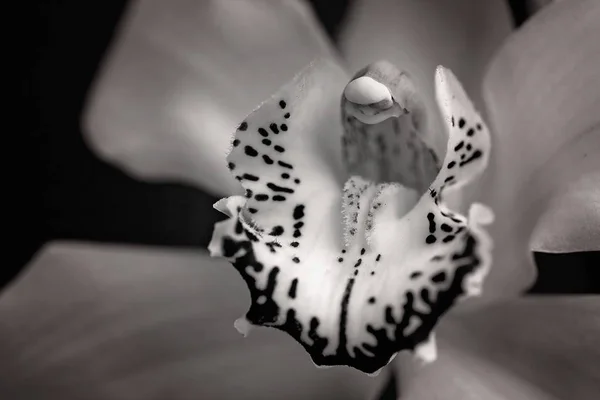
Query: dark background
x,y
62,191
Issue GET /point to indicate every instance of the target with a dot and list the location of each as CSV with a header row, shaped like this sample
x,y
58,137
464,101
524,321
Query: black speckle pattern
x,y
352,296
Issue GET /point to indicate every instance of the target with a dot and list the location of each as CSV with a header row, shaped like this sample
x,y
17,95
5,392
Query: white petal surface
x,y
542,91
135,323
180,74
534,348
417,36
356,276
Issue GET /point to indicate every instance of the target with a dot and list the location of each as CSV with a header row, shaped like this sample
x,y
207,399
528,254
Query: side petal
x,y
110,322
530,348
181,73
542,96
417,36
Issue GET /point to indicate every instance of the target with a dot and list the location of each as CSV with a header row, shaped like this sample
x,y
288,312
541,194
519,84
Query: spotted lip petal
x,y
353,287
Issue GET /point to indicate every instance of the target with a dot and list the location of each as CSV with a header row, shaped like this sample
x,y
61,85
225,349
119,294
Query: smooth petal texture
x,y
417,36
180,74
124,323
534,348
542,96
355,277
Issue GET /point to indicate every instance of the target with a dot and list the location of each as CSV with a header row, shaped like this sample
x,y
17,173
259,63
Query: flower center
x,y
382,116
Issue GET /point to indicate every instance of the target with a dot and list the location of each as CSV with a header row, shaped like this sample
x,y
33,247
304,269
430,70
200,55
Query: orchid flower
x,y
116,322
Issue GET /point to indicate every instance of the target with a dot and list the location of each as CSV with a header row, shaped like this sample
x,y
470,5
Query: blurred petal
x,y
529,348
542,96
417,36
355,277
180,75
107,322
572,220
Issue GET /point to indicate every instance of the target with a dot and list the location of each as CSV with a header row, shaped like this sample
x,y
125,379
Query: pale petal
x,y
181,73
529,348
542,96
417,36
357,275
113,323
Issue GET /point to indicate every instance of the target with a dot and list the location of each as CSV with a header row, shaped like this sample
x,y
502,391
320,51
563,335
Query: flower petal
x,y
112,322
417,36
182,72
529,348
357,286
542,95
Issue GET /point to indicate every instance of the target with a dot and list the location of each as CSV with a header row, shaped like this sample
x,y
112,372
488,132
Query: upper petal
x,y
354,277
542,96
117,322
180,74
417,36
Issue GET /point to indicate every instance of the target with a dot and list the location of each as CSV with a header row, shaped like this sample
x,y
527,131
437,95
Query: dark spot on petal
x,y
266,142
236,143
263,132
231,166
415,274
371,300
459,146
430,239
297,181
252,210
293,288
283,127
280,189
286,115
294,244
299,213
285,165
446,228
277,231
461,123
298,225
448,239
250,177
282,104
261,197
340,259
278,197
296,260
451,164
249,150
471,132
279,148
243,126
439,277
267,159
274,129
285,176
